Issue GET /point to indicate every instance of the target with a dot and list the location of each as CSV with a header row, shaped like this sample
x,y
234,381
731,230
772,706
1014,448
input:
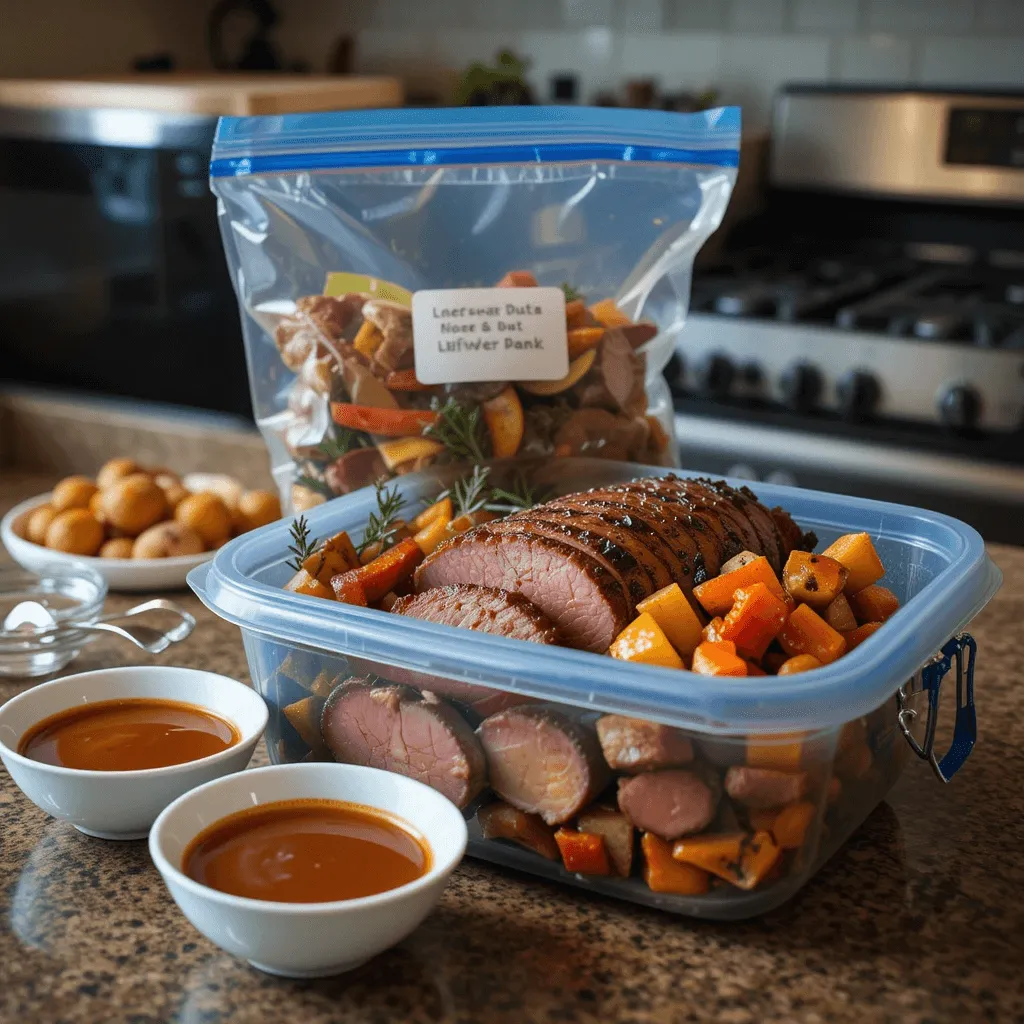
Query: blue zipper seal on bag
x,y
516,135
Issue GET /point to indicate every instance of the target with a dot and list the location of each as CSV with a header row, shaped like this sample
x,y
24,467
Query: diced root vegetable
x,y
385,572
874,603
401,450
583,339
858,554
575,313
799,663
662,873
782,752
342,544
855,637
304,716
517,279
617,832
505,422
716,595
385,422
503,821
712,632
743,860
431,535
791,824
813,579
754,620
644,641
404,380
806,632
441,509
583,853
578,369
304,583
349,590
367,339
718,658
839,615
608,314
671,610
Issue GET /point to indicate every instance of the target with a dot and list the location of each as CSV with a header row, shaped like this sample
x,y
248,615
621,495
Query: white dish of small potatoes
x,y
121,574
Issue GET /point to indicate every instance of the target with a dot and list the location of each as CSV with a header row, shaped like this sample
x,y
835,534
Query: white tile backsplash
x,y
500,15
876,58
957,61
581,13
826,15
914,16
640,15
696,15
590,54
757,15
678,61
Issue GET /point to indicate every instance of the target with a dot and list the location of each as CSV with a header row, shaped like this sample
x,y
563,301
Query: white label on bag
x,y
461,335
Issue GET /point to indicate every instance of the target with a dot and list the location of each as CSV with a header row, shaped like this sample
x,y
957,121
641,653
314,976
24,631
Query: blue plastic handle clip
x,y
964,649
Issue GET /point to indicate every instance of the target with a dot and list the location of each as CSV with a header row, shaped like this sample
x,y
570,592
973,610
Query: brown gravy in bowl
x,y
306,851
128,735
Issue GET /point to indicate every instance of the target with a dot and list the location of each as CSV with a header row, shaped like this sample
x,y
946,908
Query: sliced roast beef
x,y
400,730
588,606
543,761
761,788
670,803
634,745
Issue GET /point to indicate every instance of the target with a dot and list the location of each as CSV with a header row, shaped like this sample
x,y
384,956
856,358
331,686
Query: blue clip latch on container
x,y
964,649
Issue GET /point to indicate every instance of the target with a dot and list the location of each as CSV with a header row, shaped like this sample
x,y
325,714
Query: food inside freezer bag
x,y
672,572
424,287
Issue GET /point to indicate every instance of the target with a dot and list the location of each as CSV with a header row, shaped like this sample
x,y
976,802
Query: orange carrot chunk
x,y
781,752
874,603
718,658
673,612
813,579
386,422
791,824
385,572
304,582
349,590
644,641
517,279
712,632
583,853
839,615
583,339
855,637
441,509
743,860
806,632
858,554
799,663
754,620
663,874
716,595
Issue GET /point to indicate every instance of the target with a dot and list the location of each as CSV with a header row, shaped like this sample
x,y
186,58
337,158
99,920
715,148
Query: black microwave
x,y
112,276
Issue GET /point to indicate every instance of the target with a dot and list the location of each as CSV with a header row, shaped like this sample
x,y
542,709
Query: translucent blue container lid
x,y
935,564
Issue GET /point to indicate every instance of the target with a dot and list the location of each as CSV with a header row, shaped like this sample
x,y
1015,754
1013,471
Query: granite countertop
x,y
917,918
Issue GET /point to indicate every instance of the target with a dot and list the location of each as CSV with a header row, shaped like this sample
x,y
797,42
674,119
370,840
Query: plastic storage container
x,y
846,725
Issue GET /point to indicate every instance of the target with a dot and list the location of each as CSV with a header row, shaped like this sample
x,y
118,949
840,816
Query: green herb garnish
x,y
469,494
520,495
571,294
382,525
459,429
302,545
333,448
314,484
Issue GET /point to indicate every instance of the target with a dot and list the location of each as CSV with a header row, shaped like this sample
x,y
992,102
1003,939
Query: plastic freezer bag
x,y
429,286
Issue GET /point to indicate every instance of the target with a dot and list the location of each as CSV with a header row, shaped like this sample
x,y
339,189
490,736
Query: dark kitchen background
x,y
857,325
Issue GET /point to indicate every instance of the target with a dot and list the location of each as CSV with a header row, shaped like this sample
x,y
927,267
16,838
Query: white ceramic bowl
x,y
120,573
309,940
124,805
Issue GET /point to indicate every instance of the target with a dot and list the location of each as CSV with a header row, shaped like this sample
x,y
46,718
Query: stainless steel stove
x,y
865,333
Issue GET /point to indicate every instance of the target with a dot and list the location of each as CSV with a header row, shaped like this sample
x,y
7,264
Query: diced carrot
x,y
782,752
517,279
762,818
716,595
367,339
858,554
385,572
855,637
460,524
505,421
349,590
583,339
789,829
664,874
743,860
718,658
874,603
439,510
575,313
813,579
431,535
400,451
806,632
304,716
644,641
798,663
384,422
853,757
404,380
328,563
755,618
583,853
304,582
608,314
671,610
839,615
712,632
342,543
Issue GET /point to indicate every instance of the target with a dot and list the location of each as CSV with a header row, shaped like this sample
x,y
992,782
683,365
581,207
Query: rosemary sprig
x,y
521,494
314,484
381,526
302,545
459,429
571,294
333,448
469,494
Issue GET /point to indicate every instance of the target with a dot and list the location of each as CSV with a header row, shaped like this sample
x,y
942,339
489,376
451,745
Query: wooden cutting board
x,y
210,94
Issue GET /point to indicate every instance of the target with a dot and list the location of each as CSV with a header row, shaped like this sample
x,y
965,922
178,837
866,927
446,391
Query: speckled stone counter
x,y
919,917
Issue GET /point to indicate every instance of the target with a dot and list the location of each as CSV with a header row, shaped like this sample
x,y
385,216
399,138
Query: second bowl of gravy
x,y
109,750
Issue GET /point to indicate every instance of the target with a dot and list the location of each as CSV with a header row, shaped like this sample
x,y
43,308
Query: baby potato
x,y
73,492
256,508
75,532
38,523
207,515
167,540
96,507
133,504
117,547
114,470
174,490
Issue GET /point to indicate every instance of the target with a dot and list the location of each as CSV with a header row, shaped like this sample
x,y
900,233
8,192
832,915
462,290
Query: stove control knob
x,y
801,386
960,407
857,393
715,375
